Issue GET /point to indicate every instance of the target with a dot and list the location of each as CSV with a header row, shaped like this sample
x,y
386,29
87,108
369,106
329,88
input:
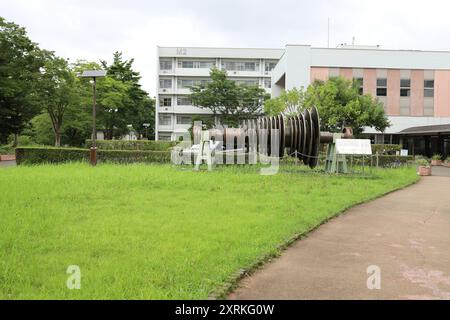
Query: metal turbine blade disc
x,y
316,142
308,136
303,136
282,136
298,135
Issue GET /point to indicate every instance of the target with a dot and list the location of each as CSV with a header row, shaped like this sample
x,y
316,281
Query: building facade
x,y
414,87
181,68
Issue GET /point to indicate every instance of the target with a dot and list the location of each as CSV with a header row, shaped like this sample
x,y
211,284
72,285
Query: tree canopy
x,y
138,109
228,101
20,63
57,92
340,105
290,102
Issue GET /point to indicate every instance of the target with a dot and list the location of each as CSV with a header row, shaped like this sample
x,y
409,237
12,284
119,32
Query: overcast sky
x,y
94,29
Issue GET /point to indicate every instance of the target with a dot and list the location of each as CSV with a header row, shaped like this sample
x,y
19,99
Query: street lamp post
x,y
94,74
146,126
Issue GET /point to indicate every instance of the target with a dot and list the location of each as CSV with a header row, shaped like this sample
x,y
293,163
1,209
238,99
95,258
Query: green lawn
x,y
157,232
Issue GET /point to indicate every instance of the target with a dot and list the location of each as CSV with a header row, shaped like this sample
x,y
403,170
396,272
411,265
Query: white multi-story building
x,y
179,68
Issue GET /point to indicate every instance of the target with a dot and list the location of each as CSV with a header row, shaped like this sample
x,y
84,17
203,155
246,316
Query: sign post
x,y
340,148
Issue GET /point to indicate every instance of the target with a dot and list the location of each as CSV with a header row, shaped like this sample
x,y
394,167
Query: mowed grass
x,y
157,232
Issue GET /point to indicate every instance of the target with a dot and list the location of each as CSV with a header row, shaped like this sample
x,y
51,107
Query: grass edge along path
x,y
232,284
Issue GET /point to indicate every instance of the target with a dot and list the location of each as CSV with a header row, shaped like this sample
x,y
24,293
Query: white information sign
x,y
353,147
404,152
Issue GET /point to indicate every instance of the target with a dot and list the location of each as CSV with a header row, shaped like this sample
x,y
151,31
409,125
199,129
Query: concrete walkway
x,y
7,164
406,234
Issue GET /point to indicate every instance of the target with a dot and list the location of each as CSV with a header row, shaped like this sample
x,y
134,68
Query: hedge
x,y
386,149
143,145
384,161
33,155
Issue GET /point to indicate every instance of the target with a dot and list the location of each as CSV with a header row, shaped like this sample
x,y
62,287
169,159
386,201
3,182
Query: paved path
x,y
7,164
406,234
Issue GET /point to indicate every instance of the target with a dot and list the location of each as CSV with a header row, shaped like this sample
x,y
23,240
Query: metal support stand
x,y
336,163
205,153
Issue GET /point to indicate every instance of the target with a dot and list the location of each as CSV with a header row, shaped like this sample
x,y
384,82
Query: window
x,y
246,82
360,84
165,83
165,136
184,101
405,87
429,88
184,119
267,83
196,64
165,120
269,66
381,87
165,64
187,83
165,102
240,65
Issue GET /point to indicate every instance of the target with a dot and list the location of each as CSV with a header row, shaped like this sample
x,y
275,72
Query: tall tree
x,y
20,64
140,108
340,104
227,100
58,92
113,103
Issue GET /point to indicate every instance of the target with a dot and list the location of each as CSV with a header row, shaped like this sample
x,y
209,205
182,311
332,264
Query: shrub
x,y
31,155
135,156
384,161
422,162
393,160
436,157
386,149
6,149
143,145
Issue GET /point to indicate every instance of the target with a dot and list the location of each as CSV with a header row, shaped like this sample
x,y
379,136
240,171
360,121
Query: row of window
x,y
187,83
208,64
405,87
181,101
166,119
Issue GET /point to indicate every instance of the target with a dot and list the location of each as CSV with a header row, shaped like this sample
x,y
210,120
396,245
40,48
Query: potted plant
x,y
424,168
446,162
436,160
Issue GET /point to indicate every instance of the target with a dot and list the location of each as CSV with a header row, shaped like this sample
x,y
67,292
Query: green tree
x,y
58,92
340,104
290,102
227,100
20,64
141,108
113,101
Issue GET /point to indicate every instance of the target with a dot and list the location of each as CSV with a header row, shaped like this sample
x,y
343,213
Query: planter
x,y
7,158
424,171
436,162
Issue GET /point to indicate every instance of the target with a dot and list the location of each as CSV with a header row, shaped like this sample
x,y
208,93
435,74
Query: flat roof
x,y
435,129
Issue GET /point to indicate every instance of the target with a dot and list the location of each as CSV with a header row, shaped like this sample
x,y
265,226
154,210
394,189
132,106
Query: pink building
x,y
414,87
